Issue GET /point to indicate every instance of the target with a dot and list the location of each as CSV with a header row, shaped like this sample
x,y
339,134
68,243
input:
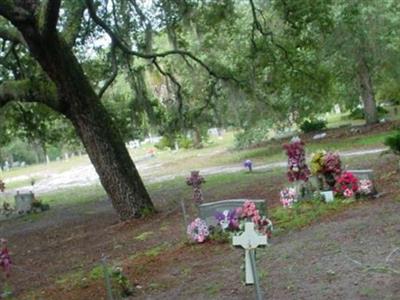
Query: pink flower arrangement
x,y
198,230
297,167
347,184
348,193
249,212
365,187
288,196
332,163
5,259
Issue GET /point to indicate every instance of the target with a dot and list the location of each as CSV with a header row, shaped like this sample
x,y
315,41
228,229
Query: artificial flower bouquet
x,y
327,166
233,220
347,185
198,230
297,167
288,196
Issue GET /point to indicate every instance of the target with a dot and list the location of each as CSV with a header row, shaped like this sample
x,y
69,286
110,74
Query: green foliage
x,y
253,135
143,236
393,142
19,150
218,235
166,142
313,125
184,142
358,113
121,282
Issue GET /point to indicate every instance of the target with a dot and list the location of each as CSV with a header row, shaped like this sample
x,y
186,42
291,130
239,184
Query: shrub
x,y
165,143
313,125
358,113
393,142
184,142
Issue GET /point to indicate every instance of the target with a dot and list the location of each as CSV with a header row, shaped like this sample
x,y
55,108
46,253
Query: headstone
x,y
208,210
365,174
195,181
23,202
249,240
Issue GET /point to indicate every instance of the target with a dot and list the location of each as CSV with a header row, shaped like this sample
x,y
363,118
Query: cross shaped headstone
x,y
196,180
249,240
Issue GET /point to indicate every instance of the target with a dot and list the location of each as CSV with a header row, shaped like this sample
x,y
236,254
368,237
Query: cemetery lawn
x,y
218,152
320,251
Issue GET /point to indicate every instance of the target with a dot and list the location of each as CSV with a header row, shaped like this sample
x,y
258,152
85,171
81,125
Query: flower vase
x,y
330,180
300,190
320,182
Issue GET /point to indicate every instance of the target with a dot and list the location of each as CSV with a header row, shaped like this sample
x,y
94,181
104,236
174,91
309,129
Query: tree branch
x,y
29,91
123,46
12,35
256,23
73,23
114,72
175,81
14,13
49,16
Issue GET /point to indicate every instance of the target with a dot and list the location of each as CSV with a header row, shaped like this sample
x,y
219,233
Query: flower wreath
x,y
198,230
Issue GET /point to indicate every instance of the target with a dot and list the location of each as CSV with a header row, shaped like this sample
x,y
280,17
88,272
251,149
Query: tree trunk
x,y
101,139
197,140
116,170
367,92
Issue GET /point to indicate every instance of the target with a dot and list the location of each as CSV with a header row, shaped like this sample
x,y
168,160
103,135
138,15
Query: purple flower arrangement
x,y
228,219
248,164
233,220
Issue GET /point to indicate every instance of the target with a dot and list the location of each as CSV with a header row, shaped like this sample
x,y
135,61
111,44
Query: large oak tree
x,y
67,90
47,32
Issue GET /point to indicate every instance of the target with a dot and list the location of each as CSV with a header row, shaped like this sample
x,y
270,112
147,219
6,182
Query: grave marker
x,y
207,211
250,240
23,202
365,174
196,180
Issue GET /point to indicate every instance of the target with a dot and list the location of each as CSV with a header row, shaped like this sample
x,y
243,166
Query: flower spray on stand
x,y
298,171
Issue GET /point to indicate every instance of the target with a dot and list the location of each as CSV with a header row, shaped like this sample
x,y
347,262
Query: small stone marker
x,y
249,240
23,202
328,196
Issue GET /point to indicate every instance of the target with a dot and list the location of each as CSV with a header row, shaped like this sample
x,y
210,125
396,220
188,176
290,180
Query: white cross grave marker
x,y
249,240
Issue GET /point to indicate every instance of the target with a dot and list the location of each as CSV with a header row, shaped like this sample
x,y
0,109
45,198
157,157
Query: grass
x,y
77,195
20,183
303,213
144,236
217,152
